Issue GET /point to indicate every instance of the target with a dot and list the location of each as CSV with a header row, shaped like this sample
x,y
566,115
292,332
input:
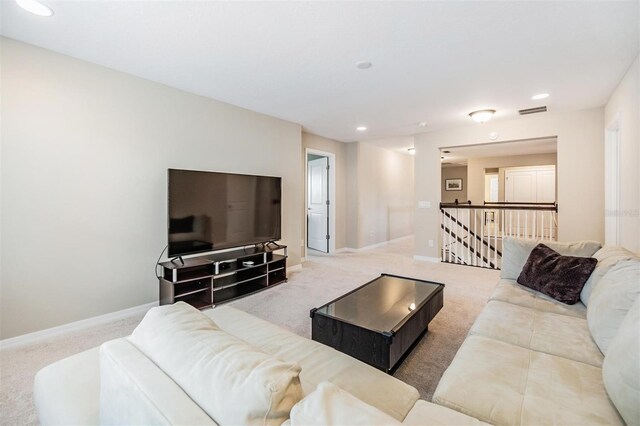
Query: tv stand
x,y
208,280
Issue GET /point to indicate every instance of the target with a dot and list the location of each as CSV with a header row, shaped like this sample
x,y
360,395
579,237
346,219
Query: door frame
x,y
332,196
612,161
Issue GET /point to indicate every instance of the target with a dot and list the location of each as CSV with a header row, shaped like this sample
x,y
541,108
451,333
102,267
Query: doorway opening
x,y
320,201
612,184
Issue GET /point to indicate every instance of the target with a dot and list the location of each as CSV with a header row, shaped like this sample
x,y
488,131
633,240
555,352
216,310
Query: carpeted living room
x,y
329,213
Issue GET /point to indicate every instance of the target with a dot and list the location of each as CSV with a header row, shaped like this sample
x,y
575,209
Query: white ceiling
x,y
432,61
460,155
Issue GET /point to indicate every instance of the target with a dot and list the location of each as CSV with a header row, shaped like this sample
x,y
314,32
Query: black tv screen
x,y
213,211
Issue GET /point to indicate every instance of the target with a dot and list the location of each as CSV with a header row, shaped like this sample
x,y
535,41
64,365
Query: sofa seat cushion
x,y
516,251
428,413
68,391
621,369
554,334
510,291
505,384
611,299
607,257
233,382
330,405
319,362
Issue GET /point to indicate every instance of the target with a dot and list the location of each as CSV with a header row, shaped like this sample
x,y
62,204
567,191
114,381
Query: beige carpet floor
x,y
323,278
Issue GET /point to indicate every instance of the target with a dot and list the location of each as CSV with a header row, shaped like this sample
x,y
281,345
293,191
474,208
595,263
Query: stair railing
x,y
473,234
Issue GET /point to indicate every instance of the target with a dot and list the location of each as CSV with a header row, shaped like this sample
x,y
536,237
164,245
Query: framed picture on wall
x,y
453,184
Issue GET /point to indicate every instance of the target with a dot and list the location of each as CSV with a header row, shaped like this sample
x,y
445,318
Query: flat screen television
x,y
212,211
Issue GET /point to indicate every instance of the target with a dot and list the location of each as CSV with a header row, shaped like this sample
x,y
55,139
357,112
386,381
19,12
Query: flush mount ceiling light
x,y
35,7
483,115
363,65
361,128
540,96
422,124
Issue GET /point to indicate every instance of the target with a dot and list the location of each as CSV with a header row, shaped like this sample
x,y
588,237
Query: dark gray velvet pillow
x,y
561,277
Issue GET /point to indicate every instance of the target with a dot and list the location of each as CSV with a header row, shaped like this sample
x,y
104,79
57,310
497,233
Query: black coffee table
x,y
379,322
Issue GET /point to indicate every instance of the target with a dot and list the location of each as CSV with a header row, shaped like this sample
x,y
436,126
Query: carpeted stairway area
x,y
322,278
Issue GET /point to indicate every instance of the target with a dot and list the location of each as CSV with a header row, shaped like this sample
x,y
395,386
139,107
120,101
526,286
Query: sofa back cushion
x,y
231,381
610,301
621,368
516,252
607,257
330,405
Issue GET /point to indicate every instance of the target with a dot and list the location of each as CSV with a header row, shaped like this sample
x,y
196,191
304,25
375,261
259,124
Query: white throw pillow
x,y
330,405
231,381
516,251
610,301
607,257
621,368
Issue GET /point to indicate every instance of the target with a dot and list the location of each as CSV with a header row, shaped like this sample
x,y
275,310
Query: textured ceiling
x,y
432,61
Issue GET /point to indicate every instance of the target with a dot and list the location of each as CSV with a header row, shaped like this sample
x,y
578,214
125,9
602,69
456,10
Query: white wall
x,y
85,152
383,188
580,170
624,104
339,149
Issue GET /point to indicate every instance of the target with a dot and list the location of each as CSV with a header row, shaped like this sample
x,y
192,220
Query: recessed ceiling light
x,y
364,65
483,115
540,96
422,124
35,7
361,128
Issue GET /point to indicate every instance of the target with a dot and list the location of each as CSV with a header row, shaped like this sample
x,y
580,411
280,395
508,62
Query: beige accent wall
x,y
476,167
85,152
580,170
624,104
454,173
382,185
339,149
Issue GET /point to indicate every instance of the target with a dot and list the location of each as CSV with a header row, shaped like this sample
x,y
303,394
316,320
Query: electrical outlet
x,y
430,243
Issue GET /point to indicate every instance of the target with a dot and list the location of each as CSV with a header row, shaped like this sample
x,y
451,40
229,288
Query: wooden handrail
x,y
553,208
519,203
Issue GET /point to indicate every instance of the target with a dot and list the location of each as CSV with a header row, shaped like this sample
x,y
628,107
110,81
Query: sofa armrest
x,y
133,390
67,391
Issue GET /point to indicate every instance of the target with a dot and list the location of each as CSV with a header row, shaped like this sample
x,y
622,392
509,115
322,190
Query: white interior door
x,y
317,204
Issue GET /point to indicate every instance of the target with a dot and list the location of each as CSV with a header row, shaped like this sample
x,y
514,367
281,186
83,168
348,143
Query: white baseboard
x,y
346,250
372,246
426,259
36,336
294,268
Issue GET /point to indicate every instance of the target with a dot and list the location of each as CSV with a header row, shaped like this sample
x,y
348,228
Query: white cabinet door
x,y
520,186
317,207
530,184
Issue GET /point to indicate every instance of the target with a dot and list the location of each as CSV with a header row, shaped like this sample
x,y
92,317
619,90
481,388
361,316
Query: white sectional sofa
x,y
527,360
531,360
119,384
